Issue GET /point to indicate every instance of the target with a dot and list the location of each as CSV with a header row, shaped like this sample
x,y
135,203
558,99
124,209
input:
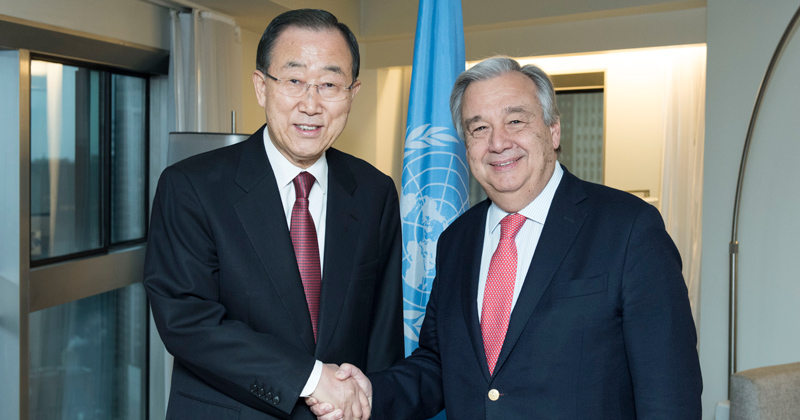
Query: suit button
x,y
494,394
276,400
261,392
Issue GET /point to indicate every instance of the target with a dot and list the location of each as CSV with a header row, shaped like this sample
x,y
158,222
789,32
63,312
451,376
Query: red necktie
x,y
499,291
306,247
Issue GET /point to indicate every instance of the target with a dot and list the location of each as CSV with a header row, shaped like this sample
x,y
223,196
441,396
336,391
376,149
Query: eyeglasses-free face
x,y
303,122
331,91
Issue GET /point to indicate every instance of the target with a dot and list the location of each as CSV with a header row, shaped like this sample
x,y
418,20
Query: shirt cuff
x,y
313,380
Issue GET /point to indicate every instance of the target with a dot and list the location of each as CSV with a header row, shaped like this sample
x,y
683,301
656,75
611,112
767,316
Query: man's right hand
x,y
326,409
343,393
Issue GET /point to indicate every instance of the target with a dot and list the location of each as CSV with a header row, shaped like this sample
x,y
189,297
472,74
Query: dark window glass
x,y
582,133
88,358
128,151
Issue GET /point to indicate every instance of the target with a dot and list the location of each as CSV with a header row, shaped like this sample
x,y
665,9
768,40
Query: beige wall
x,y
126,20
538,38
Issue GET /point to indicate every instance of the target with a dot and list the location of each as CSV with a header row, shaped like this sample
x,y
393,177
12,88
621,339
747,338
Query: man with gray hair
x,y
555,298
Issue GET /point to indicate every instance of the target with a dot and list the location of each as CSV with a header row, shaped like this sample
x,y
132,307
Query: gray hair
x,y
496,67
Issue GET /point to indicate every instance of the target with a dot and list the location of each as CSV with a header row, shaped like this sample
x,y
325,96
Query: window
x,y
88,358
87,346
582,132
88,160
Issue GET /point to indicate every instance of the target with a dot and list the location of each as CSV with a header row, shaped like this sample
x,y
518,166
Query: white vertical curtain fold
x,y
682,179
205,71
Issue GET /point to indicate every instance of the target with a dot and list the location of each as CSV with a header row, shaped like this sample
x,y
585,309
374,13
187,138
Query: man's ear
x,y
555,134
354,90
260,85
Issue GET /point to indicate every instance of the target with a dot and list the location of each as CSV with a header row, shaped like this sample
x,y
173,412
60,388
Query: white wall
x,y
742,36
128,20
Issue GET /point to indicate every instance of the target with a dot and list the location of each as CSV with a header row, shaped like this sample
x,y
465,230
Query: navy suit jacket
x,y
226,294
602,328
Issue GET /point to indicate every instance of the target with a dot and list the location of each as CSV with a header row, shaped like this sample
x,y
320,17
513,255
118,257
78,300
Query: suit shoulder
x,y
363,170
602,196
227,156
209,171
474,217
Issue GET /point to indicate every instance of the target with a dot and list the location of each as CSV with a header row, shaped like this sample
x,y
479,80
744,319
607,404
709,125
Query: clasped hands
x,y
342,393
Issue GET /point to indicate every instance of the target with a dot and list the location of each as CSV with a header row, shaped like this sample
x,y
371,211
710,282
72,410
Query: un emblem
x,y
434,193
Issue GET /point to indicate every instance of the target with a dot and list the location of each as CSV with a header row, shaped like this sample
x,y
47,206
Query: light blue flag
x,y
435,180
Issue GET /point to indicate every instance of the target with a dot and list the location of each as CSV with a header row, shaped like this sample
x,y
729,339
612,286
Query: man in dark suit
x,y
274,255
555,298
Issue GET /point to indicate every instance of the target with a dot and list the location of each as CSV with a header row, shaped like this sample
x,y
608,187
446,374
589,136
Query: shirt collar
x,y
537,209
286,172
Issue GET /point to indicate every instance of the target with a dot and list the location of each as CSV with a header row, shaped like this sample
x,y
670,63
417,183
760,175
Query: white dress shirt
x,y
526,240
285,173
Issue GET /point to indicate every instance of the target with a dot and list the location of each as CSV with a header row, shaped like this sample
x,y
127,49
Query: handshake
x,y
342,393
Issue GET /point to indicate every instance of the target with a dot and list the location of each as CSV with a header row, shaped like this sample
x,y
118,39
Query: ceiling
x,y
255,15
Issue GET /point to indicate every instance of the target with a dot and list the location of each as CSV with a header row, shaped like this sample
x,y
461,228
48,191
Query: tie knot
x,y
302,184
510,225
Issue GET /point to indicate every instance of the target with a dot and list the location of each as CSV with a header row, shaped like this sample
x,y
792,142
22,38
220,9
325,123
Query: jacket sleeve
x,y
412,388
658,328
386,336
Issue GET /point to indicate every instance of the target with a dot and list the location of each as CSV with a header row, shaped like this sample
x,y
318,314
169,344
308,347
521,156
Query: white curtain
x,y
682,180
205,71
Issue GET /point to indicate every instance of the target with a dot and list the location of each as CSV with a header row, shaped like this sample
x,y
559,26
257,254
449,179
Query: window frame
x,y
106,246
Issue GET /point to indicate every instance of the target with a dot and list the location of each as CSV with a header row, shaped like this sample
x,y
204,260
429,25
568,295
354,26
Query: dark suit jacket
x,y
226,293
602,328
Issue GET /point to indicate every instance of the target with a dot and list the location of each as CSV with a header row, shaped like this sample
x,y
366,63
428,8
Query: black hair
x,y
314,19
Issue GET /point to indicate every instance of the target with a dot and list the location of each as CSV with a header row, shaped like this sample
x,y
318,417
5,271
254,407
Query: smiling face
x,y
511,151
303,128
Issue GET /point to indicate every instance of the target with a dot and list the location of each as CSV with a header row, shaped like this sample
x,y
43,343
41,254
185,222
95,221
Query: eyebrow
x,y
506,111
473,120
332,68
516,109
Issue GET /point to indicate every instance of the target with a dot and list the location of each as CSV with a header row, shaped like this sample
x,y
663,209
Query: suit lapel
x,y
564,221
341,237
473,241
261,214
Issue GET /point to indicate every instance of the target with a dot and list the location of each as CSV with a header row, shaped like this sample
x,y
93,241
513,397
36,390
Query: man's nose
x,y
310,101
499,140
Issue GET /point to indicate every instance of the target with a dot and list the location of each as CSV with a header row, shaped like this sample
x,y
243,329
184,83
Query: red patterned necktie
x,y
499,291
306,247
